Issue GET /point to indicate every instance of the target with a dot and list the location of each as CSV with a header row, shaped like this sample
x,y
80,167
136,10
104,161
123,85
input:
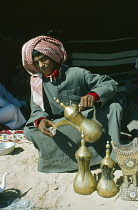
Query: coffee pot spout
x,y
3,185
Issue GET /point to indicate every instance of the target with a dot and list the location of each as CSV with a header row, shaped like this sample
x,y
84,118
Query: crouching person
x,y
43,58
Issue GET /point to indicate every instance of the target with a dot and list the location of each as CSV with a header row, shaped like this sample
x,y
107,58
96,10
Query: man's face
x,y
45,64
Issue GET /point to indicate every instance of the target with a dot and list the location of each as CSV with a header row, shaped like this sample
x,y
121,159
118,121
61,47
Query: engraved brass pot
x,y
91,128
84,182
106,186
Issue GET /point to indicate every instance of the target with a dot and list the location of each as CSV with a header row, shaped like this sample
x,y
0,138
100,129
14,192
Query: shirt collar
x,y
55,75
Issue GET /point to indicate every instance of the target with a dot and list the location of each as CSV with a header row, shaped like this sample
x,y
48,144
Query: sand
x,y
26,188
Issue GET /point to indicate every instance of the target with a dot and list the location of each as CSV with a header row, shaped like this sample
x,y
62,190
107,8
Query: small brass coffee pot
x,y
84,182
106,186
92,128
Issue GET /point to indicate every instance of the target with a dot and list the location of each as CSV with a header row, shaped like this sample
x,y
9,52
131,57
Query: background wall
x,y
89,19
70,20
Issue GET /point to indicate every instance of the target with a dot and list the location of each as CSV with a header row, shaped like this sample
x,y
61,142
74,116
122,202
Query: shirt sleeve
x,y
95,95
36,122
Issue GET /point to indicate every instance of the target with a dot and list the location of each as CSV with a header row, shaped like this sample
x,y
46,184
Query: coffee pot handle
x,y
94,111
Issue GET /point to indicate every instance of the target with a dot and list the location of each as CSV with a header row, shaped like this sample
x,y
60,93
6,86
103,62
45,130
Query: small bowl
x,y
6,148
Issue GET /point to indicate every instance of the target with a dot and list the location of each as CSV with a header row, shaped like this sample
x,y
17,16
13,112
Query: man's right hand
x,y
44,125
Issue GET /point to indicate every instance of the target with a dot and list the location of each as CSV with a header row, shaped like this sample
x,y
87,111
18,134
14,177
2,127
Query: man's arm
x,y
104,86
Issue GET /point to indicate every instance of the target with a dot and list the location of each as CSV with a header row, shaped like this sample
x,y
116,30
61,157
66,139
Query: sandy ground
x,y
26,188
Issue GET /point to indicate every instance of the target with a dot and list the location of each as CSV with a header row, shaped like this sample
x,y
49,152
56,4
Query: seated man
x,y
43,58
11,116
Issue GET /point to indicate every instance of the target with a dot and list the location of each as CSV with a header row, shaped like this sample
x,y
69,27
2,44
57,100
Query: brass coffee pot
x,y
91,128
84,182
106,186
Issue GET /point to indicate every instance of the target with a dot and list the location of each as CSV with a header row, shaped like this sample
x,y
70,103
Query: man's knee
x,y
116,107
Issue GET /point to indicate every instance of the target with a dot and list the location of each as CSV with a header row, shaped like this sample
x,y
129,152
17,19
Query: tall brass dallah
x,y
84,182
92,128
106,186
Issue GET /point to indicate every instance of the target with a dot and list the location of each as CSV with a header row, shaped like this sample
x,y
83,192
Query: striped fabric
x,y
36,88
113,57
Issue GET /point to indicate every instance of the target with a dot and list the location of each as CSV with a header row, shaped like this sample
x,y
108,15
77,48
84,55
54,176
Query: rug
x,y
16,136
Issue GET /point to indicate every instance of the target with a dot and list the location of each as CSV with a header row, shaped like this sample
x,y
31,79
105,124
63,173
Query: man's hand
x,y
43,127
87,101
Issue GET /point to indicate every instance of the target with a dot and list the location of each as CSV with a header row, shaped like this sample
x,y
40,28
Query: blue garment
x,y
10,114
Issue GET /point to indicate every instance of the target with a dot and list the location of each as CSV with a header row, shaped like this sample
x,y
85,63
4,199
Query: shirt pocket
x,y
72,95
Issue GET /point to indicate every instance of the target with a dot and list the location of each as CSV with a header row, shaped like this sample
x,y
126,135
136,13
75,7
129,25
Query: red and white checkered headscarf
x,y
46,45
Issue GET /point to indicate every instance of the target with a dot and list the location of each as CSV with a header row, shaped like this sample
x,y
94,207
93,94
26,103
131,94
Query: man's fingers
x,y
45,131
51,124
48,132
87,101
84,102
90,102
